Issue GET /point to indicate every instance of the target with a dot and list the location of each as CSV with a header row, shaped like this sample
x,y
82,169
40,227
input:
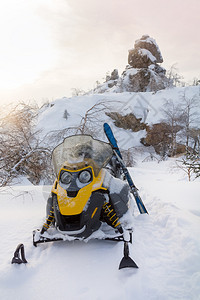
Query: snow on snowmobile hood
x,y
78,151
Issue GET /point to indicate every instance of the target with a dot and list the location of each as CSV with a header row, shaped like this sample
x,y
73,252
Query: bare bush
x,y
91,122
77,92
174,78
129,157
20,149
189,118
190,164
173,117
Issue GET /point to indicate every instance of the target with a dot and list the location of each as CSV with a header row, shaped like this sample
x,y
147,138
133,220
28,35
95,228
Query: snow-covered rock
x,y
143,72
145,53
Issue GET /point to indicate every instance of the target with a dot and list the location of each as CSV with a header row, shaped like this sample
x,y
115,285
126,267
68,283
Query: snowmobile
x,y
88,198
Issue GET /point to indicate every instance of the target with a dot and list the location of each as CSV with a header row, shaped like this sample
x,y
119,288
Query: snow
x,y
166,242
150,40
145,52
116,185
146,105
147,39
166,246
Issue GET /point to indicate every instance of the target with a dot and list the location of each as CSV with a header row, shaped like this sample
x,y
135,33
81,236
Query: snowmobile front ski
x,y
42,239
16,258
126,261
113,143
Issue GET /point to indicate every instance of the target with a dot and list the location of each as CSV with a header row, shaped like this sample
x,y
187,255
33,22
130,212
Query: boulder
x,y
148,43
143,72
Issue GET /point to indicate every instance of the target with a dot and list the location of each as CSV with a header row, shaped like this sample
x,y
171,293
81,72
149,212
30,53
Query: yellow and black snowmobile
x,y
86,200
85,196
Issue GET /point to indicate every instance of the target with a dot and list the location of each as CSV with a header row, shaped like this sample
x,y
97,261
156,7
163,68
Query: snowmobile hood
x,y
73,200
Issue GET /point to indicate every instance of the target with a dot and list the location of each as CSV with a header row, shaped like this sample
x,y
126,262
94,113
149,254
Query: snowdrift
x,y
166,246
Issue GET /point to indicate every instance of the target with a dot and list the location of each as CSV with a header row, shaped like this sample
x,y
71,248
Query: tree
x,y
77,92
196,81
173,117
91,121
21,151
190,164
189,116
195,136
174,79
66,114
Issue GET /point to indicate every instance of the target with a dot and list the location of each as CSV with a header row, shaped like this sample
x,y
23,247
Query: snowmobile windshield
x,y
78,149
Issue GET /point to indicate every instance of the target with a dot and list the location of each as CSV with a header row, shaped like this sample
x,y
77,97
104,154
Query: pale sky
x,y
49,47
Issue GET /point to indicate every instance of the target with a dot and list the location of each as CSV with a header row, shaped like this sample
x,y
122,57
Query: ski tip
x,y
142,208
127,262
19,255
106,126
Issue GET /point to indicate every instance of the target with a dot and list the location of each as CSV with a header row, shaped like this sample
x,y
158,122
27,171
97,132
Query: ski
x,y
113,143
127,261
16,258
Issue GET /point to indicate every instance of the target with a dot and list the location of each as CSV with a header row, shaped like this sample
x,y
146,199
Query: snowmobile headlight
x,y
66,178
85,176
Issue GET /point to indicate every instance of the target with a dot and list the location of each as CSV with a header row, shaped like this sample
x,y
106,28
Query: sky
x,y
50,47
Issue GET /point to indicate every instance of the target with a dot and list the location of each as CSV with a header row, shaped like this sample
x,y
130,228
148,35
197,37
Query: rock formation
x,y
143,72
145,53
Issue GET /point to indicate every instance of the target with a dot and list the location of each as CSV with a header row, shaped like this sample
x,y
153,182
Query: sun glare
x,y
26,45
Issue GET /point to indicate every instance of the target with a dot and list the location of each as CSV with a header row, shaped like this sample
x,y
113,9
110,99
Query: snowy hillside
x,y
69,112
166,243
166,246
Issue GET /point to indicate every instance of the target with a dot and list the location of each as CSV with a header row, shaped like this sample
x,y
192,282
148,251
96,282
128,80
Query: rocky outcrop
x,y
149,79
113,78
143,72
145,53
127,122
114,75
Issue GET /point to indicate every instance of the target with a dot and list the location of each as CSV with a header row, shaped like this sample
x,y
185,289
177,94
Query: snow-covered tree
x,y
190,164
173,117
21,151
189,117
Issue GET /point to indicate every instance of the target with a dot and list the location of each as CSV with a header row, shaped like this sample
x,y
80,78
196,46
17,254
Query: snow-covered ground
x,y
166,246
166,243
